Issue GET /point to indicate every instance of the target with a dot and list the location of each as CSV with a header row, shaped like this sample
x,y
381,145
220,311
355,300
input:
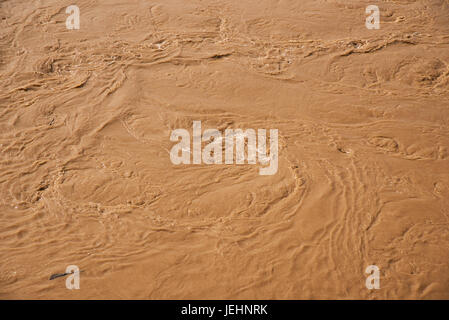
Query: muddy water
x,y
85,171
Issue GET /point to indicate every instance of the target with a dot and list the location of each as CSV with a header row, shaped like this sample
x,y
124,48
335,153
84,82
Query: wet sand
x,y
85,171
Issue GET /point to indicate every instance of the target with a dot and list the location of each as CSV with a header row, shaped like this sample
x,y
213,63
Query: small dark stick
x,y
58,275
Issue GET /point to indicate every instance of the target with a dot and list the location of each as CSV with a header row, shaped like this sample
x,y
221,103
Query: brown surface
x,y
86,177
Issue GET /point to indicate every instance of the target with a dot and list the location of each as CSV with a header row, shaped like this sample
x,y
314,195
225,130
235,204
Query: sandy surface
x,y
86,176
